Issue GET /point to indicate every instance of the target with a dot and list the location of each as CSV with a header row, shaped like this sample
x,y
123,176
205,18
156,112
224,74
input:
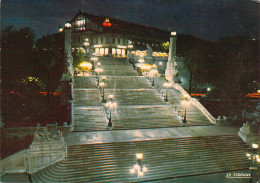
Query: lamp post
x,y
139,166
86,44
184,117
153,73
98,70
166,96
94,59
110,105
102,84
255,158
185,103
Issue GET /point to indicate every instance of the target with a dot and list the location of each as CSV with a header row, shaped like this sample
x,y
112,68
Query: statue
x,y
149,51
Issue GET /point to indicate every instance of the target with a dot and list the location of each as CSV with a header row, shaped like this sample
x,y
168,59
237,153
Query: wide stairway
x,y
139,105
142,122
164,159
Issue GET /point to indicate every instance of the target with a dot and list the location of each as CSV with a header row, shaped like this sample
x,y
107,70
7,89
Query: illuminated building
x,y
110,36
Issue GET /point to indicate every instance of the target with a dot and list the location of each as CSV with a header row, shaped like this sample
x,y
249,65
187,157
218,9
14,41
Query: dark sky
x,y
206,19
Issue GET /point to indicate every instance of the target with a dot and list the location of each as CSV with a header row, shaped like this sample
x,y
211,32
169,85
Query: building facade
x,y
105,36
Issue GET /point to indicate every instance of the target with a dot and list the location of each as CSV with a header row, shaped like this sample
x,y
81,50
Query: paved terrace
x,y
139,105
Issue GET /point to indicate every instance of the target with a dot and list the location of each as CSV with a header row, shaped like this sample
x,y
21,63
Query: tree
x,y
78,57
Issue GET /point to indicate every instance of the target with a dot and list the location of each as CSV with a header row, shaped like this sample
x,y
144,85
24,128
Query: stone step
x,y
111,162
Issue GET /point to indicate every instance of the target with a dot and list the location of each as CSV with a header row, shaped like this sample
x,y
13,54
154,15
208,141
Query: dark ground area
x,y
27,111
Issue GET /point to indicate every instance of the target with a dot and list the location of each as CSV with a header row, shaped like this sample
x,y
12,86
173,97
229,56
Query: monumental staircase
x,y
141,122
139,105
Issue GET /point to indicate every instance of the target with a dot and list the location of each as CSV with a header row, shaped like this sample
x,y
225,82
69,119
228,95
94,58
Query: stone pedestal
x,y
250,133
149,55
45,150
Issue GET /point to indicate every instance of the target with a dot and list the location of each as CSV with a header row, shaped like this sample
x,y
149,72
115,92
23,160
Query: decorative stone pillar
x,y
171,72
250,133
68,71
46,149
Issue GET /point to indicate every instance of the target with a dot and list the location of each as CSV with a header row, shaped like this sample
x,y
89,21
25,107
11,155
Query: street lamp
x,y
110,105
185,103
102,84
184,117
153,73
166,96
139,166
94,59
98,70
254,157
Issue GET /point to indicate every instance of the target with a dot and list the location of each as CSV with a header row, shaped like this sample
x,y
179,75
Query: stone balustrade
x,y
47,148
23,131
195,102
13,163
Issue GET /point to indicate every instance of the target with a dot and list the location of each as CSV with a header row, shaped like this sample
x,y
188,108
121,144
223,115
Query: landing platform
x,y
77,138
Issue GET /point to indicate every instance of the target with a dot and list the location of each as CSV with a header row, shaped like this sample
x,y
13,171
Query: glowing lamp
x,y
141,173
136,167
255,146
173,33
102,84
132,171
94,59
60,29
130,46
139,156
68,25
145,169
111,96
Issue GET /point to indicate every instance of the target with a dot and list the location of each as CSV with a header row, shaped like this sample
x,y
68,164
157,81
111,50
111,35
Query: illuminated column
x,y
171,69
68,73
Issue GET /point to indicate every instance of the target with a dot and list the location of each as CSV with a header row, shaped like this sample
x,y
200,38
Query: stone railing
x,y
203,110
250,133
30,130
195,102
47,148
13,163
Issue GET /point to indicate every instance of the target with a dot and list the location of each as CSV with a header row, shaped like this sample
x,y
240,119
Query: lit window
x,y
79,23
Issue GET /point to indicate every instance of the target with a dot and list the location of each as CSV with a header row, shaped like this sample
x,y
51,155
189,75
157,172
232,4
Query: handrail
x,y
10,160
195,102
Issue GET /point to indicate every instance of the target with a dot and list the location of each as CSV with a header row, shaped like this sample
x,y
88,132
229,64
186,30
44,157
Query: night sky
x,y
206,19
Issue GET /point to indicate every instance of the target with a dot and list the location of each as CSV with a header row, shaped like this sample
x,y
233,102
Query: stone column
x,y
68,71
171,72
67,76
